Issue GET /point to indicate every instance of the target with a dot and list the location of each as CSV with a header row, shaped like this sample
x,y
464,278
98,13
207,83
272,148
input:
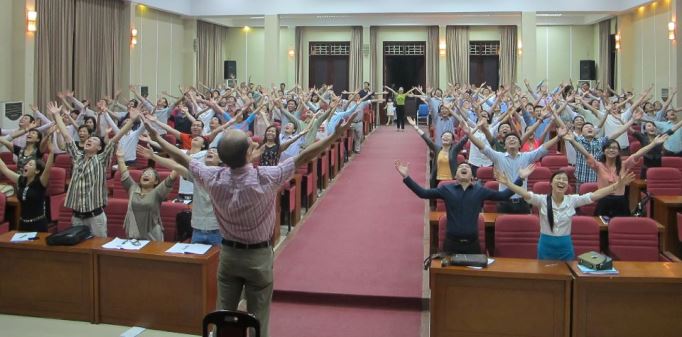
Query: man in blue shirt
x,y
463,203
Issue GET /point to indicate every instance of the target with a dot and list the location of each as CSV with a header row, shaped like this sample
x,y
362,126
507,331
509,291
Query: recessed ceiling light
x,y
550,14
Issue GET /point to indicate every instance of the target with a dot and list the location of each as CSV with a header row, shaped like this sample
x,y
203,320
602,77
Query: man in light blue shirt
x,y
511,161
673,145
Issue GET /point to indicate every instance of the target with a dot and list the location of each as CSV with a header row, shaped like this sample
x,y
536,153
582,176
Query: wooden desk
x,y
153,289
665,208
47,281
490,218
643,300
512,297
637,186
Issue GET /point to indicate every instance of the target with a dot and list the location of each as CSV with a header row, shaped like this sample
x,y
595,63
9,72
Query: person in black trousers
x,y
463,203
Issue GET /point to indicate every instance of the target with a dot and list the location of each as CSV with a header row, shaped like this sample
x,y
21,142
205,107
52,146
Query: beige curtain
x,y
603,68
374,59
299,48
457,54
432,55
54,49
97,48
355,67
508,45
210,38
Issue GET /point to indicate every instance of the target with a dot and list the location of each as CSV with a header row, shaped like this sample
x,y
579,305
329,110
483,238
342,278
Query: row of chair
x,y
629,238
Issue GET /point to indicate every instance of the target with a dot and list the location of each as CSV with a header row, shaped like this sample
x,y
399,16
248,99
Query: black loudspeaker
x,y
230,69
587,70
144,91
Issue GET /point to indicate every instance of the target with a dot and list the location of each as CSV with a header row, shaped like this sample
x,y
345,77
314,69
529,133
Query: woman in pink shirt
x,y
608,169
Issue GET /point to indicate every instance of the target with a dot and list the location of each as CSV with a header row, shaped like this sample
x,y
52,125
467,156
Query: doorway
x,y
329,63
484,63
404,66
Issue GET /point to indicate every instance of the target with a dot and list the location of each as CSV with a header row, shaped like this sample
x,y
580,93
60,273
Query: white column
x,y
366,56
442,60
271,36
528,42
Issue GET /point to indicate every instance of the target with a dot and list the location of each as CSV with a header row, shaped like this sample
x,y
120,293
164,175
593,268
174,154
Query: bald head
x,y
233,148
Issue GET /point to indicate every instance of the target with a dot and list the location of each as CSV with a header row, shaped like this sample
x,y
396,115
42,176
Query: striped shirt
x,y
88,190
583,172
244,198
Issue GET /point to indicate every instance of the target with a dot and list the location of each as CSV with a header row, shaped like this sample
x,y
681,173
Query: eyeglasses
x,y
133,242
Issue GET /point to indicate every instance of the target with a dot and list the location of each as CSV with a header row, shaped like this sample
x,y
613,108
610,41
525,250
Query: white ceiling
x,y
394,12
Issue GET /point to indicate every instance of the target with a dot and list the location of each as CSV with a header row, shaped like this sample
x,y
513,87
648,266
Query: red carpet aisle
x,y
355,267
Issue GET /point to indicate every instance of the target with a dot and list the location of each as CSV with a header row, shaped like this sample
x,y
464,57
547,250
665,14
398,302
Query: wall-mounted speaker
x,y
588,70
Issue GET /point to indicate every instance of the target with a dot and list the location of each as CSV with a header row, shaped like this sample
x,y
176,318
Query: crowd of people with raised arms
x,y
209,138
512,128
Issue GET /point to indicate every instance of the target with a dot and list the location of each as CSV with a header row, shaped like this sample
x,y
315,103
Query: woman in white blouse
x,y
555,225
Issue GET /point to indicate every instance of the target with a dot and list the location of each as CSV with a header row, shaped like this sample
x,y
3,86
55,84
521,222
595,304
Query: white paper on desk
x,y
126,244
189,248
490,261
22,237
132,332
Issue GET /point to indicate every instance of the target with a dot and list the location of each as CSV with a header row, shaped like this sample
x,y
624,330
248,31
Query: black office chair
x,y
229,323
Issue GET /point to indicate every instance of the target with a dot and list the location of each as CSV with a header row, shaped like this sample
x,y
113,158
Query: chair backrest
x,y
490,206
485,174
230,324
585,234
554,162
443,222
589,208
516,235
674,162
169,212
663,181
116,213
633,239
57,182
118,190
423,110
7,157
64,161
539,174
440,204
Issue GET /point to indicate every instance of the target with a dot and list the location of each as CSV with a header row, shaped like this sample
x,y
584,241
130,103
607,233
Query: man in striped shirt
x,y
87,193
243,199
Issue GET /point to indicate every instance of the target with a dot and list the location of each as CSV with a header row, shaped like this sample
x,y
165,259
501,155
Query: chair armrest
x,y
670,256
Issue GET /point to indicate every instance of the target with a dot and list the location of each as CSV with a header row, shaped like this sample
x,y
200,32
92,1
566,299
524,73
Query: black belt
x,y
91,214
515,200
239,245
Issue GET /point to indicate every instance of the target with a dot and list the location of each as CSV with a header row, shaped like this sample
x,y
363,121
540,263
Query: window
x,y
329,48
484,48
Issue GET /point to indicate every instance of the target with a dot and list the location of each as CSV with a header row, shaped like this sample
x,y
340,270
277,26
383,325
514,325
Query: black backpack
x,y
183,224
70,236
